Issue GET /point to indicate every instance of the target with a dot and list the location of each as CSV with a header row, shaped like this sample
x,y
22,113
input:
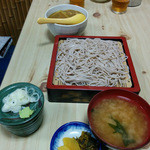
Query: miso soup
x,y
64,13
119,123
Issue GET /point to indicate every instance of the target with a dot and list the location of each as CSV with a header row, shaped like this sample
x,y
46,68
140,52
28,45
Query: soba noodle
x,y
91,62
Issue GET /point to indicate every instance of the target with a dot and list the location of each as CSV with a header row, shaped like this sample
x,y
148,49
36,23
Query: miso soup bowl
x,y
123,95
58,29
12,121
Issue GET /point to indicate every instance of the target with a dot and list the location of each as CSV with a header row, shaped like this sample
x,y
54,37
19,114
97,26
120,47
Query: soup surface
x,y
64,13
119,123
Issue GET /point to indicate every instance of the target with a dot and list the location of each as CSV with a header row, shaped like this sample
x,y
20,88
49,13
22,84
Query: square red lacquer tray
x,y
65,93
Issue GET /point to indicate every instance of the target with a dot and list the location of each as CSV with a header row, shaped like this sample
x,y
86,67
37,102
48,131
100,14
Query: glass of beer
x,y
120,6
77,2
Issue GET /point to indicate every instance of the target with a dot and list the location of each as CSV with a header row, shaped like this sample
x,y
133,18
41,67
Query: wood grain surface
x,y
32,56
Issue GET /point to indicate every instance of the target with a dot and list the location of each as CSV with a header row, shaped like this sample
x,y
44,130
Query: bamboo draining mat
x,y
57,81
12,16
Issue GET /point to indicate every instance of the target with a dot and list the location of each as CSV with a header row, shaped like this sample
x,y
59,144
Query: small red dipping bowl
x,y
122,95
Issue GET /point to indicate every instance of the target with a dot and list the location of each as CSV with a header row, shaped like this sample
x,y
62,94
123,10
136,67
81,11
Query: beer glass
x,y
77,2
120,6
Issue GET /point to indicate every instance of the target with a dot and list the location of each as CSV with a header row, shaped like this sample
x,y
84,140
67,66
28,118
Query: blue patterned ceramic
x,y
71,129
12,122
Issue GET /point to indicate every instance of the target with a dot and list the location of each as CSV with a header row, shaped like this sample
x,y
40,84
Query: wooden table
x,y
32,56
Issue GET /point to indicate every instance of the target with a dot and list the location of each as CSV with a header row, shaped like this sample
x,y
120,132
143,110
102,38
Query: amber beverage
x,y
77,2
120,6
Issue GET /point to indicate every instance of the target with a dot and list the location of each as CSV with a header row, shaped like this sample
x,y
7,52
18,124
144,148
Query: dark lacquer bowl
x,y
120,114
12,121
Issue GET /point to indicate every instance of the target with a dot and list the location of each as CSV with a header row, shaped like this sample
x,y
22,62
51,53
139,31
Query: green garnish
x,y
87,142
26,112
120,129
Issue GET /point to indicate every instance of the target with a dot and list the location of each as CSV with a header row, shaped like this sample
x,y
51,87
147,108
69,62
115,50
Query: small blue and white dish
x,y
71,129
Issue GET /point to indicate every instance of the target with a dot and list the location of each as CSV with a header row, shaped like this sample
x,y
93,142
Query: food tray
x,y
58,92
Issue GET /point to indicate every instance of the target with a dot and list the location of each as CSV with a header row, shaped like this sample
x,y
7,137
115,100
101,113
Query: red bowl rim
x,y
124,95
